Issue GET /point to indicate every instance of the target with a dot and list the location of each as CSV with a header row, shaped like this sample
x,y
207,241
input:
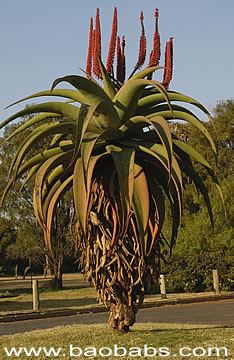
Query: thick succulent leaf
x,y
126,99
91,93
54,175
6,190
29,176
40,158
39,221
92,142
199,185
143,73
172,192
33,164
73,95
57,138
159,125
66,110
124,163
175,189
159,216
82,188
42,173
51,210
104,117
192,152
33,121
180,115
95,117
107,83
154,99
141,204
22,144
185,157
199,158
52,190
66,127
158,152
164,107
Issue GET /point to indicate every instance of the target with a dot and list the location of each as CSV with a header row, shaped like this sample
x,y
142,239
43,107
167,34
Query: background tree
x,y
7,237
199,247
27,245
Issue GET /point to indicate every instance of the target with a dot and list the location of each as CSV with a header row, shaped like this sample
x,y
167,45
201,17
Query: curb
x,y
97,309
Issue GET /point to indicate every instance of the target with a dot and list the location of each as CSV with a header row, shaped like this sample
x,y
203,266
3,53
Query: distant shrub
x,y
193,272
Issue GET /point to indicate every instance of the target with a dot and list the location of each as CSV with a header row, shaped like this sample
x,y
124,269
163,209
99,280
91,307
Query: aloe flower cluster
x,y
117,49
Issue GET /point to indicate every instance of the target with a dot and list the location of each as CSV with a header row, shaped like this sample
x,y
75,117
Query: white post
x,y
162,283
36,302
216,281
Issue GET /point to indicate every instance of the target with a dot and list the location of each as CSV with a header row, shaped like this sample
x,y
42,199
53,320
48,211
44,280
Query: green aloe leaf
x,y
42,157
47,196
199,158
67,127
148,101
82,188
35,120
52,207
126,99
124,162
91,92
107,83
141,204
160,126
180,115
159,215
143,73
42,173
73,95
68,111
92,141
199,185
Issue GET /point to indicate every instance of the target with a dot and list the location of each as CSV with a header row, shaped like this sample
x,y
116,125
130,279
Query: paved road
x,y
215,313
69,280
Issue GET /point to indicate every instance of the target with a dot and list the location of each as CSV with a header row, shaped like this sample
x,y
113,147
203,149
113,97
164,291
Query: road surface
x,y
215,313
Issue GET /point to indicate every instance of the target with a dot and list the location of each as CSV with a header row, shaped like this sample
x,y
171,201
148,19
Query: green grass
x,y
20,300
170,336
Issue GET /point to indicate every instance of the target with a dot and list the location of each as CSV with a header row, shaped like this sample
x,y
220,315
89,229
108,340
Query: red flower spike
x,y
89,57
97,47
123,59
119,61
156,14
156,52
111,53
142,47
168,63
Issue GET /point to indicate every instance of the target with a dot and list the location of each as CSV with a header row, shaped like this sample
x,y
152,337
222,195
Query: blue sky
x,y
43,40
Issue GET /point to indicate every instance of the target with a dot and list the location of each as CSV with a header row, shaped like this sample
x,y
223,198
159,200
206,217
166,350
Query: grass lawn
x,y
172,337
20,300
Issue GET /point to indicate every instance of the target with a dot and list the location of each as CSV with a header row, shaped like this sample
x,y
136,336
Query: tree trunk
x,y
58,274
47,269
58,281
123,315
16,271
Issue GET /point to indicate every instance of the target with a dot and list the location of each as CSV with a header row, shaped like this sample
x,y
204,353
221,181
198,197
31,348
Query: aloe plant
x,y
113,145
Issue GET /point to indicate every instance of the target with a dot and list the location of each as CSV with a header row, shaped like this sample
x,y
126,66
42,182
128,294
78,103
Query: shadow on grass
x,y
179,329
